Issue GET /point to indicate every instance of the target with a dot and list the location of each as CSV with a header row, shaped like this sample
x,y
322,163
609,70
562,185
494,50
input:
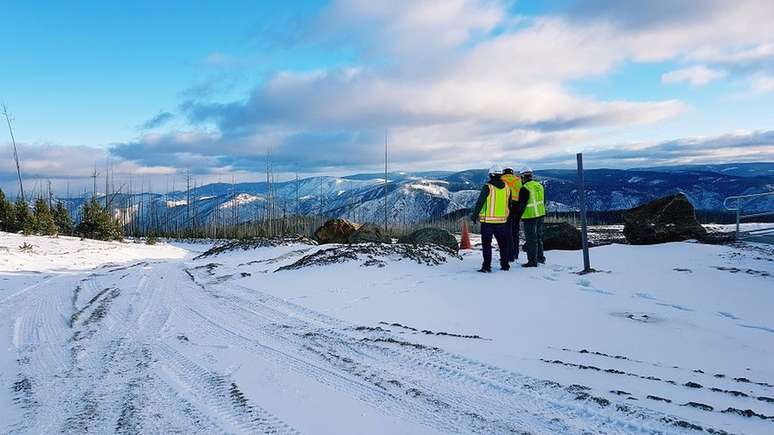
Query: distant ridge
x,y
415,197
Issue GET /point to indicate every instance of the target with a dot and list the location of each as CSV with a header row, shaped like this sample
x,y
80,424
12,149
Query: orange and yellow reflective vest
x,y
514,182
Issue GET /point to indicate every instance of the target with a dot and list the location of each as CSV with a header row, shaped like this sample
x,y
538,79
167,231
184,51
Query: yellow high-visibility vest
x,y
536,206
496,207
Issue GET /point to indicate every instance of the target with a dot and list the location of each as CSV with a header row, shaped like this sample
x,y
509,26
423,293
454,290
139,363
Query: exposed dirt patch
x,y
429,332
682,424
751,272
638,317
698,405
658,399
731,392
391,340
749,413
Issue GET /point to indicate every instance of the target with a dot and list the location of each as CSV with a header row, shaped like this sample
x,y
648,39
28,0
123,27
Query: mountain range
x,y
414,197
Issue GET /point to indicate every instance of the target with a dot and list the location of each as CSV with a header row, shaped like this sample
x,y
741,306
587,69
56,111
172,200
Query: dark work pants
x,y
501,233
533,235
514,220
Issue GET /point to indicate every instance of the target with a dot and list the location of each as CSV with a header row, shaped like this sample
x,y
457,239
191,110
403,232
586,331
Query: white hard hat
x,y
526,170
496,170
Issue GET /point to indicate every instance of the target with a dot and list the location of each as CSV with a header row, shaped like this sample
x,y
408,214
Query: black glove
x,y
474,218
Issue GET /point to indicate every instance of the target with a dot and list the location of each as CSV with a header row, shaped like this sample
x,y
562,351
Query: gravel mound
x,y
258,242
374,254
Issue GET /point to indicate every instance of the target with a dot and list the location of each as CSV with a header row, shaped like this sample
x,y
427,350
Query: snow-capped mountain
x,y
417,197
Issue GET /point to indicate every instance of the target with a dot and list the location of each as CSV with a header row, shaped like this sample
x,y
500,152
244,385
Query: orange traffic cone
x,y
465,239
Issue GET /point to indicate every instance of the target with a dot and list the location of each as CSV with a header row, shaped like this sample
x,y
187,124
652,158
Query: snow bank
x,y
50,254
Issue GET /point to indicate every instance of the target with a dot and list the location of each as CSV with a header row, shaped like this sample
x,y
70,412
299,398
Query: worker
x,y
492,210
532,217
514,218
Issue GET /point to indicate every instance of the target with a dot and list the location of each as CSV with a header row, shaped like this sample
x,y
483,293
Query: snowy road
x,y
170,344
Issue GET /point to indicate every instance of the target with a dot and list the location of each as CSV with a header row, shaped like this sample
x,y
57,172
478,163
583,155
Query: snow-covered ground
x,y
746,226
120,337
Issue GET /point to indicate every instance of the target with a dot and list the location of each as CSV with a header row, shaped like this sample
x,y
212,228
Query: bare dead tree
x,y
15,150
94,176
385,180
50,196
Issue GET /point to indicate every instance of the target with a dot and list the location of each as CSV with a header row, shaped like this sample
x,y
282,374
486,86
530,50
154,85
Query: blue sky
x,y
162,87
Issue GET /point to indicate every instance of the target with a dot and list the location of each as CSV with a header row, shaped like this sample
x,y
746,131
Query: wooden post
x,y
584,227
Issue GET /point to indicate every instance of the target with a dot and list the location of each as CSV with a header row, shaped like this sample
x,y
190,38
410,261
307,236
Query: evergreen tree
x,y
25,221
62,219
96,223
44,220
7,214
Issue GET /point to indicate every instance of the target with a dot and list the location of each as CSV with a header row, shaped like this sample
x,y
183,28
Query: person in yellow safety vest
x,y
514,218
492,209
532,217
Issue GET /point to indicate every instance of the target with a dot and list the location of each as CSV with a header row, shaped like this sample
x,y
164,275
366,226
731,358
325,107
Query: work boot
x,y
529,264
542,260
505,268
485,270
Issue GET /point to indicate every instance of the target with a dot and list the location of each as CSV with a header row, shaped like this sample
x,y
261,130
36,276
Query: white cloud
x,y
412,28
762,83
462,78
698,75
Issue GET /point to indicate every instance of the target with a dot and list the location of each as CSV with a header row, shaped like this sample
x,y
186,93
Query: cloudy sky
x,y
159,88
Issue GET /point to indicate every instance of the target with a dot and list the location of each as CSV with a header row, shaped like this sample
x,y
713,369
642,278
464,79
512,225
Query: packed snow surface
x,y
122,337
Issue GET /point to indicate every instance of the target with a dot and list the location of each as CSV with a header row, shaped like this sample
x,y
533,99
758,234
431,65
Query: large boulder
x,y
668,219
369,233
431,236
561,235
335,231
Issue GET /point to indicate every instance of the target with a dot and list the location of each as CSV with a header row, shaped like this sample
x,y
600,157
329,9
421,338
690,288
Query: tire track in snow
x,y
39,330
451,386
218,393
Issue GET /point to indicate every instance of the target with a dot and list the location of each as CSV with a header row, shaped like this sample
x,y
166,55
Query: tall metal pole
x,y
584,227
738,211
15,152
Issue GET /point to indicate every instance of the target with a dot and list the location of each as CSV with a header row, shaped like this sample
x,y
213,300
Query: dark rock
x,y
561,235
431,236
335,231
369,233
668,219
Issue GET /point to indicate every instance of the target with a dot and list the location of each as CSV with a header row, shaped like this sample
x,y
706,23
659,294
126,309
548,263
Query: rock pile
x,y
431,236
668,219
335,231
561,235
